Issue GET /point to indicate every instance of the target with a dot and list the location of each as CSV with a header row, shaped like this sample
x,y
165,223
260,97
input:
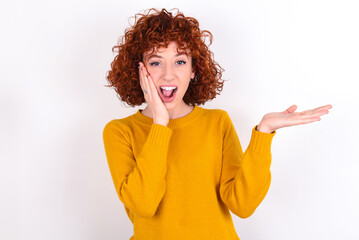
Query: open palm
x,y
275,120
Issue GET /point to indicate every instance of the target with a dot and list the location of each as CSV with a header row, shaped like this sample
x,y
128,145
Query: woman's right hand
x,y
154,102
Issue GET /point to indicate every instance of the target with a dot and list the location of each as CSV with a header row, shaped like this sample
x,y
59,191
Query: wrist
x,y
264,129
164,123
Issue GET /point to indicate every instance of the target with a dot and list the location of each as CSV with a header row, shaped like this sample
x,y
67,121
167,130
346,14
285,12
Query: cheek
x,y
154,75
153,72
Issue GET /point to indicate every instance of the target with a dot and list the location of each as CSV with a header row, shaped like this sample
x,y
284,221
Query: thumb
x,y
291,109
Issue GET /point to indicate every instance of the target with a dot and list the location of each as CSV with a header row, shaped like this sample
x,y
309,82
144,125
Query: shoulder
x,y
219,117
217,114
118,126
216,117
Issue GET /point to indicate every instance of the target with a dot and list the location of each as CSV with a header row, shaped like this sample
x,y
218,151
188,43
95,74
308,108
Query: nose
x,y
168,72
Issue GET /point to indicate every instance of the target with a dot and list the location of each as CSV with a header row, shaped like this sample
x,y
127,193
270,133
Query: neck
x,y
173,113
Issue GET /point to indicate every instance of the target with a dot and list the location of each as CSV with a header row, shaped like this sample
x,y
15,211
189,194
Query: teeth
x,y
168,88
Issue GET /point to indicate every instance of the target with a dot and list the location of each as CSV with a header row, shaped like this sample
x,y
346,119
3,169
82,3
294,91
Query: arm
x,y
140,183
245,178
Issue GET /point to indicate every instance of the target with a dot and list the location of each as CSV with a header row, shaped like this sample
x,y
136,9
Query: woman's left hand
x,y
273,121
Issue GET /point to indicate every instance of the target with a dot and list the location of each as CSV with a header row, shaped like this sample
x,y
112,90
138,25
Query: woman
x,y
179,168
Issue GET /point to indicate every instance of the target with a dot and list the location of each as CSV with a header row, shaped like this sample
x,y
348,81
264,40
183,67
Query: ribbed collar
x,y
173,123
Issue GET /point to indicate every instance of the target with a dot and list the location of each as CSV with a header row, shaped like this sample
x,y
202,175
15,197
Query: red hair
x,y
155,30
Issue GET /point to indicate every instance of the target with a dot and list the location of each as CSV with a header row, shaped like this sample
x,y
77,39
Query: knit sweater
x,y
179,181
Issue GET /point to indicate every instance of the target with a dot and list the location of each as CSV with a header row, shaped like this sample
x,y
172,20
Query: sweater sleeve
x,y
140,183
245,178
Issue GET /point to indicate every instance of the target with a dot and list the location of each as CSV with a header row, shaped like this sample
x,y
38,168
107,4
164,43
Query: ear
x,y
193,68
193,74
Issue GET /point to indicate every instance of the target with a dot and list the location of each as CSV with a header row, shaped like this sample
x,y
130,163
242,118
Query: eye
x,y
154,63
181,62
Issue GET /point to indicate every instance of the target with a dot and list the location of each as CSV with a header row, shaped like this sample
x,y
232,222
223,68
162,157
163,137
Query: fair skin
x,y
166,67
273,121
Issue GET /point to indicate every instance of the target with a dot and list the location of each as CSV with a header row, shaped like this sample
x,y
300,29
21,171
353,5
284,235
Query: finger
x,y
311,115
145,84
319,113
144,75
144,79
318,109
309,120
303,121
328,106
154,89
140,76
291,109
151,84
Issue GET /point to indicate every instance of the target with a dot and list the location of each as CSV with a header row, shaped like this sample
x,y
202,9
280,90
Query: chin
x,y
169,105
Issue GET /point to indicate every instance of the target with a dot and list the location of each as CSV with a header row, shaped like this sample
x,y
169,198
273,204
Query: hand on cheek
x,y
154,101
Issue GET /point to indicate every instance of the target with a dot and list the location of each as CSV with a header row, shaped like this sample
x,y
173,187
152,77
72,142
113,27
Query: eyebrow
x,y
154,55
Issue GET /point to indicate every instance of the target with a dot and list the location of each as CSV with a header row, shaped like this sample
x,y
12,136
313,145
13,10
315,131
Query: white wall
x,y
54,55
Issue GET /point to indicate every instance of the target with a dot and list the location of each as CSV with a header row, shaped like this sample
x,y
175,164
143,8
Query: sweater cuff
x,y
159,135
260,141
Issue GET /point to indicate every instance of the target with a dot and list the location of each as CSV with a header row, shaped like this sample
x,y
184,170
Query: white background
x,y
54,56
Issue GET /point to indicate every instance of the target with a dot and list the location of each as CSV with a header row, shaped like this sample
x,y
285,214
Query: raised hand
x,y
153,100
273,121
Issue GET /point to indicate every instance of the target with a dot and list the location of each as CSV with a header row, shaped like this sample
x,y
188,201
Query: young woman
x,y
179,168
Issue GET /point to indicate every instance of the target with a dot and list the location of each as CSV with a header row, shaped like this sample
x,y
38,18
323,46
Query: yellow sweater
x,y
179,181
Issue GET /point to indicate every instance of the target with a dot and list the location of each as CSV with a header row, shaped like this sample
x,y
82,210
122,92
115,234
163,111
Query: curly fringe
x,y
155,30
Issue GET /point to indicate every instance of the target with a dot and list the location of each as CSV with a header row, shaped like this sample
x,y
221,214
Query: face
x,y
169,68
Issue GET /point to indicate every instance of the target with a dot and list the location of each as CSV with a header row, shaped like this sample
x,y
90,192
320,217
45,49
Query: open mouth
x,y
168,93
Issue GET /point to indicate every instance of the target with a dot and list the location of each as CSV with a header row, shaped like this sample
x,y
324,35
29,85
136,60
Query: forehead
x,y
171,49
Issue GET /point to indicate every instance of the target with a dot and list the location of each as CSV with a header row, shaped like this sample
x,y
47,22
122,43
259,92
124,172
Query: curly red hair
x,y
155,30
